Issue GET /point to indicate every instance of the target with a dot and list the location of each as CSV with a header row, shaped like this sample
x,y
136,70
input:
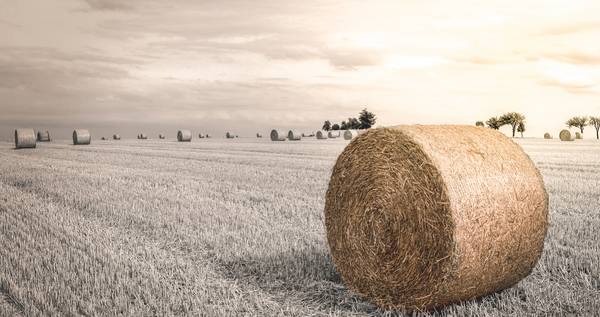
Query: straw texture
x,y
321,135
294,135
24,138
565,135
435,215
184,136
81,137
43,136
278,135
547,136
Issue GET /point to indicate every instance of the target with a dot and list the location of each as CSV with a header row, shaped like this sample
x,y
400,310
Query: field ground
x,y
235,227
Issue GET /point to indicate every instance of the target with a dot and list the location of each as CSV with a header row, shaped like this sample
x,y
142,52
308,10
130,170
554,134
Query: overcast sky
x,y
247,66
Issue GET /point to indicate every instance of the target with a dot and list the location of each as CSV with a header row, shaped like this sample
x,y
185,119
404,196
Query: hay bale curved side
x,y
350,134
547,136
81,137
277,135
565,135
294,135
333,134
184,136
43,136
321,135
116,137
25,138
419,225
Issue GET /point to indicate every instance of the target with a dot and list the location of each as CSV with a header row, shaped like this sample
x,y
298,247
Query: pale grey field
x,y
235,227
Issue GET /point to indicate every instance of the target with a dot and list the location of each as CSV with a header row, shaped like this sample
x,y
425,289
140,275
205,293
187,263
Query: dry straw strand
x,y
278,135
294,135
81,137
433,217
565,135
25,138
184,136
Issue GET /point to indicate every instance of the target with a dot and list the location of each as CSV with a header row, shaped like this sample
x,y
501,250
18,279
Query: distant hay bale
x,y
25,138
81,137
432,217
116,137
229,135
143,136
333,134
258,135
294,135
350,134
321,135
277,135
161,136
184,136
207,136
565,135
43,136
578,136
547,136
201,136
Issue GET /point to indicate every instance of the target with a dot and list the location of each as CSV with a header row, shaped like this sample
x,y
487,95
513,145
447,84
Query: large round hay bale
x,y
321,135
350,134
294,135
435,215
547,136
565,135
578,136
278,135
333,134
43,136
81,137
24,138
184,136
116,137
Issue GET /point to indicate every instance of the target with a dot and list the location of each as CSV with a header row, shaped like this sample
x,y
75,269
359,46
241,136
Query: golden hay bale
x,y
333,134
565,135
81,137
321,135
116,137
294,135
24,138
43,136
578,136
277,135
547,136
435,215
350,134
184,136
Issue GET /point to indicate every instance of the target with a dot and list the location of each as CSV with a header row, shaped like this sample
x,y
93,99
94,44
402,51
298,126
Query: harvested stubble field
x,y
235,227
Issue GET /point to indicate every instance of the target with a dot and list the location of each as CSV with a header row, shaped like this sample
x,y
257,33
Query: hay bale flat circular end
x,y
184,136
547,136
435,215
277,135
350,134
294,135
81,137
25,138
565,135
321,135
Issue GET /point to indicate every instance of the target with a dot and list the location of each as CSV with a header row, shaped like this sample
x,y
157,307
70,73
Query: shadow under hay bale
x,y
81,137
565,135
25,138
420,225
184,136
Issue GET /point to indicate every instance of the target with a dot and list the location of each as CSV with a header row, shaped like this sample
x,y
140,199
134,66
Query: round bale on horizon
x,y
184,136
81,137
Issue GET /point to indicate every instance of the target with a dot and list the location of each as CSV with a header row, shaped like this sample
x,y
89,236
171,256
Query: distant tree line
x,y
366,120
514,119
517,123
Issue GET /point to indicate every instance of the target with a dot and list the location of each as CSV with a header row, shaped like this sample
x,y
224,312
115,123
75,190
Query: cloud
x,y
578,58
567,29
